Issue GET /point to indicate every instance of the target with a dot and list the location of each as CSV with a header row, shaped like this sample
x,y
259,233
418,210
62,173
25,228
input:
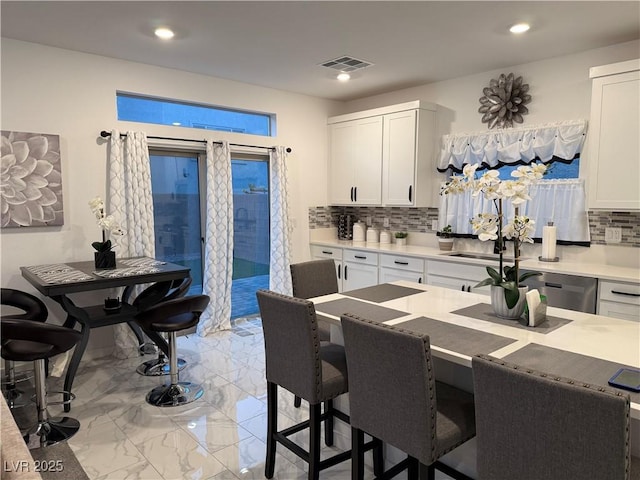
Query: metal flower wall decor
x,y
30,180
504,101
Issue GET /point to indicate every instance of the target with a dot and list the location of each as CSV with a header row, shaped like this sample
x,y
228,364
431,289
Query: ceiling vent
x,y
346,64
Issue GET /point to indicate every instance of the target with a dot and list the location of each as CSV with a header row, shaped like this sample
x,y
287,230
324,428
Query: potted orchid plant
x,y
104,255
507,296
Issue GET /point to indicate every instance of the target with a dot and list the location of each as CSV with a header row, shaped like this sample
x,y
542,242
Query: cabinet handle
x,y
552,285
352,194
326,252
360,257
400,263
355,194
462,289
629,294
469,288
410,192
339,270
420,280
345,272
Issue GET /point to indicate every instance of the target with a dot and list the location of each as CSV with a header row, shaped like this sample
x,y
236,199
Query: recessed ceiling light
x,y
164,33
519,28
343,77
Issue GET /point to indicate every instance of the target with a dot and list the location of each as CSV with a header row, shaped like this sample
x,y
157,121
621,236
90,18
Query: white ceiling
x,y
280,44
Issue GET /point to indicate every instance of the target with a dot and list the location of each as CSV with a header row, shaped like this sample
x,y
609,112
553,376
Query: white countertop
x,y
606,338
583,269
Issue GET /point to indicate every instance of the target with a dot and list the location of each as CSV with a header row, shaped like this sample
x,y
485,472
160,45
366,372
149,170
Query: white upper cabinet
x,y
383,156
614,150
356,162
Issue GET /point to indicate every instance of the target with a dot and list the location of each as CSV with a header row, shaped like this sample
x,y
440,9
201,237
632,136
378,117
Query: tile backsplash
x,y
419,220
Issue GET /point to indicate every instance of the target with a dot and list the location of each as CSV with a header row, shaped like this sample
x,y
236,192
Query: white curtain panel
x,y
562,202
218,253
279,272
562,140
131,202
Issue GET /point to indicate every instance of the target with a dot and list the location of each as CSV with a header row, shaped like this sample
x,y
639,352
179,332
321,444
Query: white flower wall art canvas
x,y
30,180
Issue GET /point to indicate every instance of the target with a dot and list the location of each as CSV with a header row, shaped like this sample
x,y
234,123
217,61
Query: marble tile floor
x,y
219,437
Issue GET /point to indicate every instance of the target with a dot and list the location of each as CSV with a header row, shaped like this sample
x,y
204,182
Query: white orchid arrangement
x,y
107,223
490,226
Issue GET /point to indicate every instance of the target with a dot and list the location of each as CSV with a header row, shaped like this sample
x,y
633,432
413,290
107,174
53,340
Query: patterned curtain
x,y
131,202
218,255
279,273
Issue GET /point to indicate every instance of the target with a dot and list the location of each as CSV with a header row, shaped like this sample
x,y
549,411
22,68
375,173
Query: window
x,y
138,108
555,170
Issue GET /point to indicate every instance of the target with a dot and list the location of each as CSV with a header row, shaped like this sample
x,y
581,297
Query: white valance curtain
x,y
279,272
218,254
131,202
546,143
562,202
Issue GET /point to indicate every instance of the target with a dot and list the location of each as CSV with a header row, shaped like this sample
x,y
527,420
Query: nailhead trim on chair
x,y
602,389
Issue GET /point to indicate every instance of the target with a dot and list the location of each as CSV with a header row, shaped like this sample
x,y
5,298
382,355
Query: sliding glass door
x,y
177,180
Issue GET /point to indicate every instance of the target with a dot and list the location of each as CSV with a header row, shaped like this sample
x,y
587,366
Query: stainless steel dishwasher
x,y
566,291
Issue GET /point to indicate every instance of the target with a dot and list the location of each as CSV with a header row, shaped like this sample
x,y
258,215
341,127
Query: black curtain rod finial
x,y
105,134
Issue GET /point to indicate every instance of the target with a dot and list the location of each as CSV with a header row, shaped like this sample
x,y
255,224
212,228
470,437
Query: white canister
x,y
372,235
385,237
358,232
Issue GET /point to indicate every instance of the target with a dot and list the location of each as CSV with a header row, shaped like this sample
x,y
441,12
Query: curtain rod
x,y
105,134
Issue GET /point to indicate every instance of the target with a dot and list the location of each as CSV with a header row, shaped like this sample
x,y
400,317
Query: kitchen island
x,y
586,347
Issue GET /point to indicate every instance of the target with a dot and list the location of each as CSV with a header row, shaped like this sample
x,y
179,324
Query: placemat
x,y
361,309
571,365
125,272
484,311
59,273
142,262
382,293
456,338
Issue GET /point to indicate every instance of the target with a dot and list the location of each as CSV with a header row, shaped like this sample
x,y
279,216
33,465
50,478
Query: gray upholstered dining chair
x,y
394,397
533,425
316,371
313,279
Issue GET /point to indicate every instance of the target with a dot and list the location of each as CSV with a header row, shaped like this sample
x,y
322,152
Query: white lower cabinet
x,y
456,276
359,269
619,300
398,267
319,252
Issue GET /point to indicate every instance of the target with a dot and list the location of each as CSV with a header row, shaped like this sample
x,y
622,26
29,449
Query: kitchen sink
x,y
481,256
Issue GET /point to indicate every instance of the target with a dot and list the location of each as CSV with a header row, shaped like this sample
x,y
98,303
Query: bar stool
x,y
156,293
313,279
171,317
316,372
534,425
33,341
394,397
33,309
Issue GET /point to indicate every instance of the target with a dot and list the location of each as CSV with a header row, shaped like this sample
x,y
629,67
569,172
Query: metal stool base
x,y
157,367
173,395
54,430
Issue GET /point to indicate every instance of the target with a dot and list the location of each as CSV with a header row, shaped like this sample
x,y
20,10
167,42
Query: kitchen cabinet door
x,y
358,275
614,151
399,158
355,163
388,275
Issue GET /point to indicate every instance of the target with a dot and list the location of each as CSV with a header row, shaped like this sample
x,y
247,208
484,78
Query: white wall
x,y
56,91
560,88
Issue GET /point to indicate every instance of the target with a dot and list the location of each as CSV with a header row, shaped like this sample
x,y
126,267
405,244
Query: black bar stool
x,y
171,317
33,341
33,309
